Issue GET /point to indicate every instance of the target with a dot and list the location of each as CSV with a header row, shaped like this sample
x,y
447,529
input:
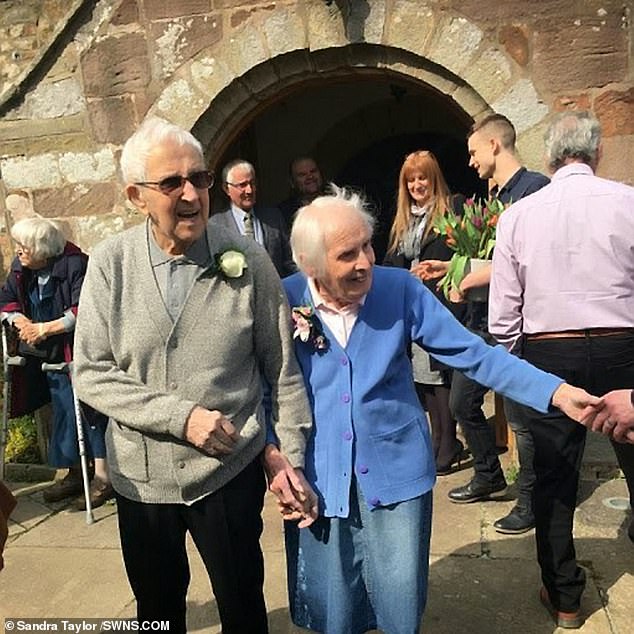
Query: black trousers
x,y
225,527
598,364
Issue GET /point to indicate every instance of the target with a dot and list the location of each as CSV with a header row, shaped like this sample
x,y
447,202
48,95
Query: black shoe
x,y
459,454
475,491
518,521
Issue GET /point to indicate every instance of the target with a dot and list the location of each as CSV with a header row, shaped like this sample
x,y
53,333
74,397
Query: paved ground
x,y
480,582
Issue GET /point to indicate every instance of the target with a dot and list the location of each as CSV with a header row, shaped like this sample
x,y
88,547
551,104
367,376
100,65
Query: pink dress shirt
x,y
564,258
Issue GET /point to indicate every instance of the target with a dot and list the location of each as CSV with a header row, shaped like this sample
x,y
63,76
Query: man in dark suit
x,y
264,224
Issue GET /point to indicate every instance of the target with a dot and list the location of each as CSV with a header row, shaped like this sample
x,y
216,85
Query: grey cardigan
x,y
147,373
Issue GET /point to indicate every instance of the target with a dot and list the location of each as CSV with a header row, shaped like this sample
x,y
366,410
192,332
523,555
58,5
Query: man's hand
x,y
430,269
615,416
211,432
296,499
575,402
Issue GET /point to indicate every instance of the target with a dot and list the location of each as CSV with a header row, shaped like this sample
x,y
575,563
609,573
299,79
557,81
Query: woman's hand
x,y
29,332
296,499
430,269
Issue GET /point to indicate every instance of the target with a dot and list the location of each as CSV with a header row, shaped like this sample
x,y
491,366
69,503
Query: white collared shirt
x,y
339,320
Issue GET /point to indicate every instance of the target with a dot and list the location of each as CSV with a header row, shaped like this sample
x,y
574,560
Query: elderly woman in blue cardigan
x,y
361,561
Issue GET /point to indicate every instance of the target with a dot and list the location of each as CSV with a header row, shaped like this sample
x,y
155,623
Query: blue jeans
x,y
367,571
598,364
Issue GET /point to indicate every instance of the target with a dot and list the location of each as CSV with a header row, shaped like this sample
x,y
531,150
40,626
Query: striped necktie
x,y
248,226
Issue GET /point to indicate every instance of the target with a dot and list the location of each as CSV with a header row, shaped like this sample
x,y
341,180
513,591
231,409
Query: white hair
x,y
316,221
152,132
572,135
42,237
231,165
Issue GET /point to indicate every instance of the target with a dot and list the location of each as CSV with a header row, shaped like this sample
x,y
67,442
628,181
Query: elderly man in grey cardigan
x,y
178,323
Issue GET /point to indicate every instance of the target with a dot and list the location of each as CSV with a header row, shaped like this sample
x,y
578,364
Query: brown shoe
x,y
100,493
69,486
567,620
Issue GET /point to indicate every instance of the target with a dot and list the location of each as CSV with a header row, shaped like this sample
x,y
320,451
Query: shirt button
x,y
173,343
181,465
345,398
375,501
347,435
173,385
363,469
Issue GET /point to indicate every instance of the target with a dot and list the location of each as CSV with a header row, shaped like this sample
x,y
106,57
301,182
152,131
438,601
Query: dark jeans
x,y
525,453
598,364
226,527
465,402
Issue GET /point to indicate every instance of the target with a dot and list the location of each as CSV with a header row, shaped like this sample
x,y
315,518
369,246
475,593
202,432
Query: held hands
x,y
615,416
575,402
211,431
296,499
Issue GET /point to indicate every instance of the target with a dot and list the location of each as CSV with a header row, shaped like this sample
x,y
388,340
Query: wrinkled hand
x,y
296,499
29,332
211,431
575,402
430,269
615,416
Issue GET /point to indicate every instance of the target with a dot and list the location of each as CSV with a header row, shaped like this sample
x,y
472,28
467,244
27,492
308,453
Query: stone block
x,y
410,25
181,104
470,101
530,147
455,44
589,52
618,158
374,23
178,40
52,100
116,65
35,172
79,167
55,143
160,9
33,128
245,49
324,26
522,105
284,31
112,119
260,79
489,74
572,102
244,14
514,38
210,75
75,200
126,13
615,111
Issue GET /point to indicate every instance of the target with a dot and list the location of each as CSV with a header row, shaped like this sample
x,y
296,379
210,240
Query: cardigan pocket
x,y
129,452
401,452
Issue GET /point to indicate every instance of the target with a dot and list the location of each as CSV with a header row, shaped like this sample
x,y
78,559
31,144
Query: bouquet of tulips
x,y
471,236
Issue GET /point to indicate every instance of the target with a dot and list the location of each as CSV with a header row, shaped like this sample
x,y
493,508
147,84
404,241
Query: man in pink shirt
x,y
562,297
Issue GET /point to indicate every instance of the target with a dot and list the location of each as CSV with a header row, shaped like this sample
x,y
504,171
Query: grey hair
x,y
152,132
42,237
316,221
572,135
236,163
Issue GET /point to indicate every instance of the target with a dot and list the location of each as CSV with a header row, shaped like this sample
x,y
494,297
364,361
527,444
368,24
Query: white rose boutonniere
x,y
231,263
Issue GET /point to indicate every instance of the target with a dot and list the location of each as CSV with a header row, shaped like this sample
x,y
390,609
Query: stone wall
x,y
77,77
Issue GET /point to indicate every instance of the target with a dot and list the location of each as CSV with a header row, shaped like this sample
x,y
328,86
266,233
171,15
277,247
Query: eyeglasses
x,y
174,185
243,184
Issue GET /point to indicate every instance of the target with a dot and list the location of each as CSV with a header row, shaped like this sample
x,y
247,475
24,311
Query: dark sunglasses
x,y
175,184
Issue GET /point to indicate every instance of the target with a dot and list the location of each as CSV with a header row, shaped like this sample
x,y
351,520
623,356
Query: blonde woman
x,y
423,196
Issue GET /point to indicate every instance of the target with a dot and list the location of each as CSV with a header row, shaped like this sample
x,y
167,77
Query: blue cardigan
x,y
367,417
